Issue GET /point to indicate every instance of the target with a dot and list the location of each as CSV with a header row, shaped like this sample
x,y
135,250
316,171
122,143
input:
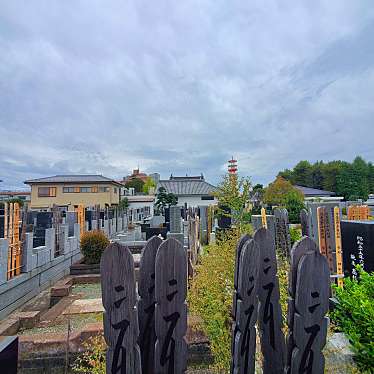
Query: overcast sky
x,y
181,86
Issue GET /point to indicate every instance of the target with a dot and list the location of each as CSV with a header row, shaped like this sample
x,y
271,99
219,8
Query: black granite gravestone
x,y
357,244
8,354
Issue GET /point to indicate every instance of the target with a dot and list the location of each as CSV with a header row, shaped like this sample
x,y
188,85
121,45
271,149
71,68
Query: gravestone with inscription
x,y
357,245
282,232
171,308
121,328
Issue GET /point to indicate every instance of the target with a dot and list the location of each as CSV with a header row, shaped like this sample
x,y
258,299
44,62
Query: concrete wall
x,y
41,269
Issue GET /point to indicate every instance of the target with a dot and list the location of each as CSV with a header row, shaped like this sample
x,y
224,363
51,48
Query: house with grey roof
x,y
191,190
314,194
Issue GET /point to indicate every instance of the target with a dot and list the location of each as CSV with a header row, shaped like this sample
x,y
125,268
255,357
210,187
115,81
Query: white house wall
x,y
195,201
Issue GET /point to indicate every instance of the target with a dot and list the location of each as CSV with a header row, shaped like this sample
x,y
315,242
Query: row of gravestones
x,y
278,226
145,336
357,237
256,300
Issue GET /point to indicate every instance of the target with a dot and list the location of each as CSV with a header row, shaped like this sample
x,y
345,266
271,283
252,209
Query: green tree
x,y
149,183
135,183
294,205
277,192
302,174
165,199
233,194
123,204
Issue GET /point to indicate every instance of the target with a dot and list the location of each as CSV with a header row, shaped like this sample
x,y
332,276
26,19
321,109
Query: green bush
x,y
210,295
93,244
92,361
295,235
354,315
294,205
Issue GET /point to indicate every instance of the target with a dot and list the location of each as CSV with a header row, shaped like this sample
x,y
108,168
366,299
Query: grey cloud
x,y
180,87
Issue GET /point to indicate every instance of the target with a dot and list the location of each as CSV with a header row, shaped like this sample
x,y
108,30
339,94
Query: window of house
x,y
208,197
68,189
85,189
115,189
46,191
103,189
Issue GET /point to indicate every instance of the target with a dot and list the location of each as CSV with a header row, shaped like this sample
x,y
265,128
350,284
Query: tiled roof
x,y
308,191
185,186
73,179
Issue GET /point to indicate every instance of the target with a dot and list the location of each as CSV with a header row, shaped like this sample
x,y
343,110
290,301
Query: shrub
x,y
93,244
92,361
295,235
354,315
210,295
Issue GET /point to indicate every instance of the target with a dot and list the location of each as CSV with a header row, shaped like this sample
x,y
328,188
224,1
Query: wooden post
x,y
5,220
121,328
171,308
241,243
146,305
244,337
270,313
311,305
338,243
300,248
263,218
321,230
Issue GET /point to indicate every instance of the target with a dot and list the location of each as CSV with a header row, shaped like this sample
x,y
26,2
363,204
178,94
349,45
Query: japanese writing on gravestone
x,y
246,310
270,314
171,308
146,305
282,233
120,317
311,305
300,249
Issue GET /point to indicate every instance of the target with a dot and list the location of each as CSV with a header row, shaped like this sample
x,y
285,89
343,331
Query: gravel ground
x,y
77,322
87,291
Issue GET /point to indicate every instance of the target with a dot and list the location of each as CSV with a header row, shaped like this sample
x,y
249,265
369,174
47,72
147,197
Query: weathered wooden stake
x,y
121,328
311,305
244,337
242,241
171,308
270,313
300,248
146,305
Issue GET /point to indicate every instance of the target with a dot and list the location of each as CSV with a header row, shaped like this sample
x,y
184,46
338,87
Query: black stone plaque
x,y
357,244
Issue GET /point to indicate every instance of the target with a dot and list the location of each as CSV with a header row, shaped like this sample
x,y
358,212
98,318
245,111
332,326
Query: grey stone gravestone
x,y
304,219
175,219
282,232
